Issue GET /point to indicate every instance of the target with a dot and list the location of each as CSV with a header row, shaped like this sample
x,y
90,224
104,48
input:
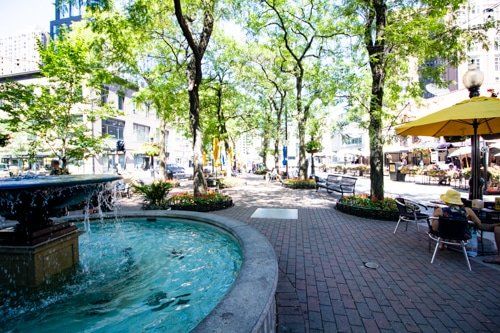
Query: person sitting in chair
x,y
455,210
56,169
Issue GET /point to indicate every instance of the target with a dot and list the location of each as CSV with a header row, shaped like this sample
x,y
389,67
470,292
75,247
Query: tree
x,y
276,86
197,47
55,114
227,104
390,36
299,34
314,145
141,44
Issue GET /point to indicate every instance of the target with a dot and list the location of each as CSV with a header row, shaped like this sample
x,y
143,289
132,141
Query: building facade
x,y
19,53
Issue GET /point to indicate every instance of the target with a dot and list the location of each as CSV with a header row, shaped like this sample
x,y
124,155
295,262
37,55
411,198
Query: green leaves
x,y
56,114
155,194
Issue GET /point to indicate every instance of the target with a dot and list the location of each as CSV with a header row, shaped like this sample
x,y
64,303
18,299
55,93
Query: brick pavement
x,y
325,287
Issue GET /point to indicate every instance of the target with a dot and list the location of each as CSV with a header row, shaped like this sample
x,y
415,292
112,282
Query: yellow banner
x,y
215,144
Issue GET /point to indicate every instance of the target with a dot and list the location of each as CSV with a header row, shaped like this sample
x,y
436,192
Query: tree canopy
x,y
223,68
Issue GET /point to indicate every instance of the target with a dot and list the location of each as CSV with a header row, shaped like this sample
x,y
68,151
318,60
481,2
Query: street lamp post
x,y
285,149
473,79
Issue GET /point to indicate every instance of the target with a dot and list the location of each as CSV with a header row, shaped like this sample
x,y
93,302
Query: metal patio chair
x,y
451,232
409,211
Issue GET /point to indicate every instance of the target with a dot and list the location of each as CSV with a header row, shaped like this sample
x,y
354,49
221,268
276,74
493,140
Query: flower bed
x,y
303,184
361,205
203,203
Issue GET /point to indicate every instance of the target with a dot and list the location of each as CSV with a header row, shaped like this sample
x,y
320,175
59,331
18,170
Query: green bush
x,y
362,205
154,194
203,203
364,201
300,183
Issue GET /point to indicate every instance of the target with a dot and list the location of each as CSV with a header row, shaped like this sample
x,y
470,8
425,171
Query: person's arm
x,y
437,212
472,216
435,222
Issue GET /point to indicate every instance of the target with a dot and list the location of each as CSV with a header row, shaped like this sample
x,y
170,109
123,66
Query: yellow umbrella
x,y
458,120
475,116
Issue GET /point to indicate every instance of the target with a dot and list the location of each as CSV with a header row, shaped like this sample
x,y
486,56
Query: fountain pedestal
x,y
29,266
37,248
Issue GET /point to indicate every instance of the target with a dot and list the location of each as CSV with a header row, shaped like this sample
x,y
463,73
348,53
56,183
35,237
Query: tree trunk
x,y
266,135
163,150
222,128
302,119
199,181
376,156
312,164
265,148
195,76
276,154
375,44
279,113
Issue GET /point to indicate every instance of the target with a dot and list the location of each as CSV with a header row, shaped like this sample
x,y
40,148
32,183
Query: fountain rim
x,y
249,304
55,181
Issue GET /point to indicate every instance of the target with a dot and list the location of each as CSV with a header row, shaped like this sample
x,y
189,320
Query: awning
x,y
462,151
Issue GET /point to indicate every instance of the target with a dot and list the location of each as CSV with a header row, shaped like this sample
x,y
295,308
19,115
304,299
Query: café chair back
x,y
451,232
409,211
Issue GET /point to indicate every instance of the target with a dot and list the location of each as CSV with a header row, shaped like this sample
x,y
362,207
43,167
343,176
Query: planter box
x,y
368,212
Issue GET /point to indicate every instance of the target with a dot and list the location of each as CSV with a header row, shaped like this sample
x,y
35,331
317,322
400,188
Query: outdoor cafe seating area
x,y
462,235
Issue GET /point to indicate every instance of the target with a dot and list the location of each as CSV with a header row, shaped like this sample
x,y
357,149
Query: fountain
x,y
36,248
136,270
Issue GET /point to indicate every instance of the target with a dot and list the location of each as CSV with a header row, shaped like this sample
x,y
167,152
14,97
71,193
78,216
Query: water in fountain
x,y
134,275
138,275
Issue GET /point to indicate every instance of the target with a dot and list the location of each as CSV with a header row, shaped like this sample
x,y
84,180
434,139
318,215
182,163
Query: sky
x,y
18,16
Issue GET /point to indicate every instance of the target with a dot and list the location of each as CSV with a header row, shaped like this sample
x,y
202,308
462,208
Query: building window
x,y
475,47
148,108
121,101
113,128
141,133
351,141
62,9
474,9
461,17
76,8
497,63
476,61
496,44
104,95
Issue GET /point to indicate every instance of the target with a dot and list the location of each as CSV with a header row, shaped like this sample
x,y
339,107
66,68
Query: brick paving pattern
x,y
325,287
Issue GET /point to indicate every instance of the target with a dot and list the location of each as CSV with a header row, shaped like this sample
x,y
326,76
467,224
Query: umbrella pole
x,y
475,190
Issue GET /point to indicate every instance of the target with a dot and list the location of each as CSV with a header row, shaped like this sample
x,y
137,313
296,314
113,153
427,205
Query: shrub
x,y
300,183
362,205
154,194
203,203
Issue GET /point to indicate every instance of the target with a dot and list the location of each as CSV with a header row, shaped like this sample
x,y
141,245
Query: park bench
x,y
337,183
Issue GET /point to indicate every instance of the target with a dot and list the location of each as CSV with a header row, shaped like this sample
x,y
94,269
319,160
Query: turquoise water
x,y
134,276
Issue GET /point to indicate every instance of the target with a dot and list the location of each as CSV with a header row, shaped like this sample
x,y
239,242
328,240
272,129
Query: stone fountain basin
x,y
249,305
